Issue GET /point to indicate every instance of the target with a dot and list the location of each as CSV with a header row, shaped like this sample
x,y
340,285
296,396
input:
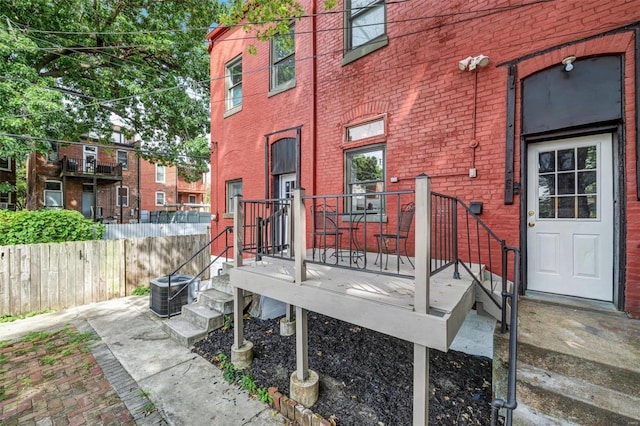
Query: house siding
x,y
435,114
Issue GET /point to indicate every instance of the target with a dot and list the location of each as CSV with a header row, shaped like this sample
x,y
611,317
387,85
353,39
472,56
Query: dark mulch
x,y
365,376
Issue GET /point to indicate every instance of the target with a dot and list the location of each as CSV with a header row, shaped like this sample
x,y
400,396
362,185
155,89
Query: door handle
x,y
531,224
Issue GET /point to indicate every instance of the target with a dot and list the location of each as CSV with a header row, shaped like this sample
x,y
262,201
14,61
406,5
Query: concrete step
x,y
183,331
574,400
202,316
612,377
485,305
216,300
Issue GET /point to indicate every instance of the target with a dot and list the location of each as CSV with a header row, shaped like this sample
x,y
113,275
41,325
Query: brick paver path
x,y
53,379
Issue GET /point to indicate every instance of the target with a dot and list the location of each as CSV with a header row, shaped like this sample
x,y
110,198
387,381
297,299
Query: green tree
x,y
67,67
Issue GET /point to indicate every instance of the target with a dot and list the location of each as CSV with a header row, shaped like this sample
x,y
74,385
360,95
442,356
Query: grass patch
x,y
11,318
141,290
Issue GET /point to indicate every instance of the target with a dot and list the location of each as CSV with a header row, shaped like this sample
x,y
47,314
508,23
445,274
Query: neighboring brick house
x,y
192,194
545,135
100,181
159,184
7,174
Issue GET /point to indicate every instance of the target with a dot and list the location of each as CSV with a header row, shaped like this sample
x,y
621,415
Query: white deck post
x,y
421,302
299,235
238,220
241,351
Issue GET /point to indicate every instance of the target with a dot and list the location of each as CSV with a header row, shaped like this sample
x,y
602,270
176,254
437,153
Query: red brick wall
x,y
149,187
428,101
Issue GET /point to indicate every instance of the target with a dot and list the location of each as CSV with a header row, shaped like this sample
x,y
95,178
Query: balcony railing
x,y
80,167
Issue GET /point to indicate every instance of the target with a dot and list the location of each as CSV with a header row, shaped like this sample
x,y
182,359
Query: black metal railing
x,y
486,251
511,402
228,245
267,228
77,166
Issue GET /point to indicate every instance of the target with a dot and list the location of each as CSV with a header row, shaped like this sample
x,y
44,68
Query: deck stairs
x,y
576,365
198,319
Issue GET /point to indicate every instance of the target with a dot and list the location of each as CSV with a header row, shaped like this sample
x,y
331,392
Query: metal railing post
x,y
454,238
238,221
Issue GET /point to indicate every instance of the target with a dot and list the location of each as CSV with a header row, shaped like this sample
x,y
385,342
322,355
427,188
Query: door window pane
x,y
566,207
587,182
587,157
566,160
547,162
566,183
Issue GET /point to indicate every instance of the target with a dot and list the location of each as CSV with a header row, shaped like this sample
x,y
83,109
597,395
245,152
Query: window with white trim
x,y
123,158
122,196
52,194
365,176
160,199
192,199
365,28
52,155
160,173
233,84
283,61
234,187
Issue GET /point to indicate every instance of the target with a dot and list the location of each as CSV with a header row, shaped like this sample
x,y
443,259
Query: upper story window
x,y
365,28
5,164
117,137
192,199
52,155
160,173
123,158
283,62
233,84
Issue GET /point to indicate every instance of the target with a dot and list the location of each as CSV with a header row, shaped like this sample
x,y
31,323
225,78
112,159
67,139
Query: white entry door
x,y
89,157
287,185
570,217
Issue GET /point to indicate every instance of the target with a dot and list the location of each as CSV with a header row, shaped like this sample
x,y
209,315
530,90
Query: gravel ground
x,y
365,376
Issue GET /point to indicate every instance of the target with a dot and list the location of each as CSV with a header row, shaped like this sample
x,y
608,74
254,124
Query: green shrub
x,y
46,226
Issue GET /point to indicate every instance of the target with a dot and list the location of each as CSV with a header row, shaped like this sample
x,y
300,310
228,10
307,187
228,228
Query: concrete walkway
x,y
140,360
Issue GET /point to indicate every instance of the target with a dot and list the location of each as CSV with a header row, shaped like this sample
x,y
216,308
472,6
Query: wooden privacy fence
x,y
63,275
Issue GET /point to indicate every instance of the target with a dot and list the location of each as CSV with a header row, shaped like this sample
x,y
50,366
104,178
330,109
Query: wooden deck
x,y
376,301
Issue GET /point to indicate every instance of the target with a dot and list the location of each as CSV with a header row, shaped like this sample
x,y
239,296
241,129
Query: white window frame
x,y
278,63
164,199
117,137
231,107
161,173
350,182
365,130
126,197
193,199
125,164
48,192
361,9
6,160
233,187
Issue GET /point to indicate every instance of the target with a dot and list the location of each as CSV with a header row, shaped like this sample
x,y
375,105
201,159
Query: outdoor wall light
x,y
471,62
568,62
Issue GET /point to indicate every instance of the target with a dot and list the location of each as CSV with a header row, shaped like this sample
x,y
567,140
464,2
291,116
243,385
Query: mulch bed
x,y
365,377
